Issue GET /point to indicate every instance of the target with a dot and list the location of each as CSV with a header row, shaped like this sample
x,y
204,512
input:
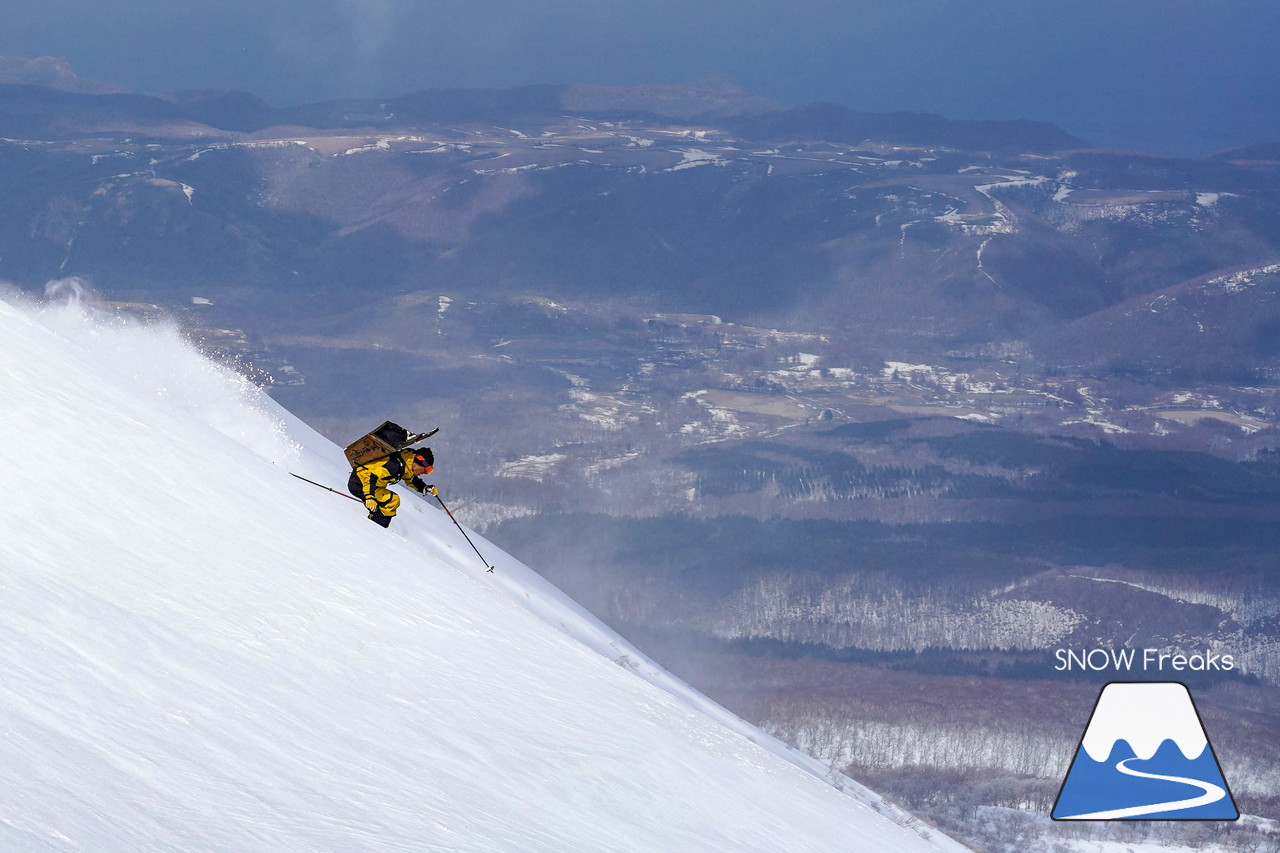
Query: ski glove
x,y
422,488
371,504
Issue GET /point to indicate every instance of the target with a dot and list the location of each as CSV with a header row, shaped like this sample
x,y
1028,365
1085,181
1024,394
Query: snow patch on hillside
x,y
693,157
1239,281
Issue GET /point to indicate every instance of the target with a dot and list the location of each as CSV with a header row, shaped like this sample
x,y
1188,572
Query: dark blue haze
x,y
1175,76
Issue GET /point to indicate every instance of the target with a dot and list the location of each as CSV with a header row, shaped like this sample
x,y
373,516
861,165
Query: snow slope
x,y
199,652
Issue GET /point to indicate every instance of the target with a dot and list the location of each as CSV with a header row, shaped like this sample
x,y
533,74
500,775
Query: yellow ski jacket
x,y
375,477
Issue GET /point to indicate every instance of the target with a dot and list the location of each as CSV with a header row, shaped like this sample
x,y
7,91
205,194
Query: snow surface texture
x,y
199,652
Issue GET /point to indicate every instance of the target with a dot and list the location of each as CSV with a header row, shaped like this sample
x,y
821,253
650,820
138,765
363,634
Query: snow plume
x,y
70,292
154,355
199,652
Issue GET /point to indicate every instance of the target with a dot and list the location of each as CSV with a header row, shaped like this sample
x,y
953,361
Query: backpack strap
x,y
395,466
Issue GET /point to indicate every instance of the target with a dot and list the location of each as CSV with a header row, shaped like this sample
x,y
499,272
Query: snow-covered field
x,y
199,652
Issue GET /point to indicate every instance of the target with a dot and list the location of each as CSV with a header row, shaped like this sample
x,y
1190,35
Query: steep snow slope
x,y
200,653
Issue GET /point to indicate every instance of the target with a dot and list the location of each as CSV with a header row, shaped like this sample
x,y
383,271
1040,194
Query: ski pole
x,y
327,489
436,494
437,497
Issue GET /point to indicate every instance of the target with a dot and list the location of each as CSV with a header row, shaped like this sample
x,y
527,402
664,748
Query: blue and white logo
x,y
1145,756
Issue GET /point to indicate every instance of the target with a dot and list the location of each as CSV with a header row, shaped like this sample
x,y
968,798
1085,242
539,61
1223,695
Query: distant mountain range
x,y
50,72
890,229
87,105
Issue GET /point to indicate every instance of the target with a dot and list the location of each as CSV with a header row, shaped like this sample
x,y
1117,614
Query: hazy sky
x,y
1179,76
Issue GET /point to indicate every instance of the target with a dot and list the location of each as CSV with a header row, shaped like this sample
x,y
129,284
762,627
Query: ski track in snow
x,y
199,652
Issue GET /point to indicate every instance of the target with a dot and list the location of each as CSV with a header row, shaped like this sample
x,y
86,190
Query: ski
x,y
418,436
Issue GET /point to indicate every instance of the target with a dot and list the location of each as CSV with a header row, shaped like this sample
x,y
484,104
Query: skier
x,y
369,482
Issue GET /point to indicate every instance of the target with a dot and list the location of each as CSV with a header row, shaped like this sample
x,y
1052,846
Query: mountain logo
x,y
1145,756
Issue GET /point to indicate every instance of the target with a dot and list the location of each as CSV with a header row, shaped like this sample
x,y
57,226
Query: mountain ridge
x,y
709,99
